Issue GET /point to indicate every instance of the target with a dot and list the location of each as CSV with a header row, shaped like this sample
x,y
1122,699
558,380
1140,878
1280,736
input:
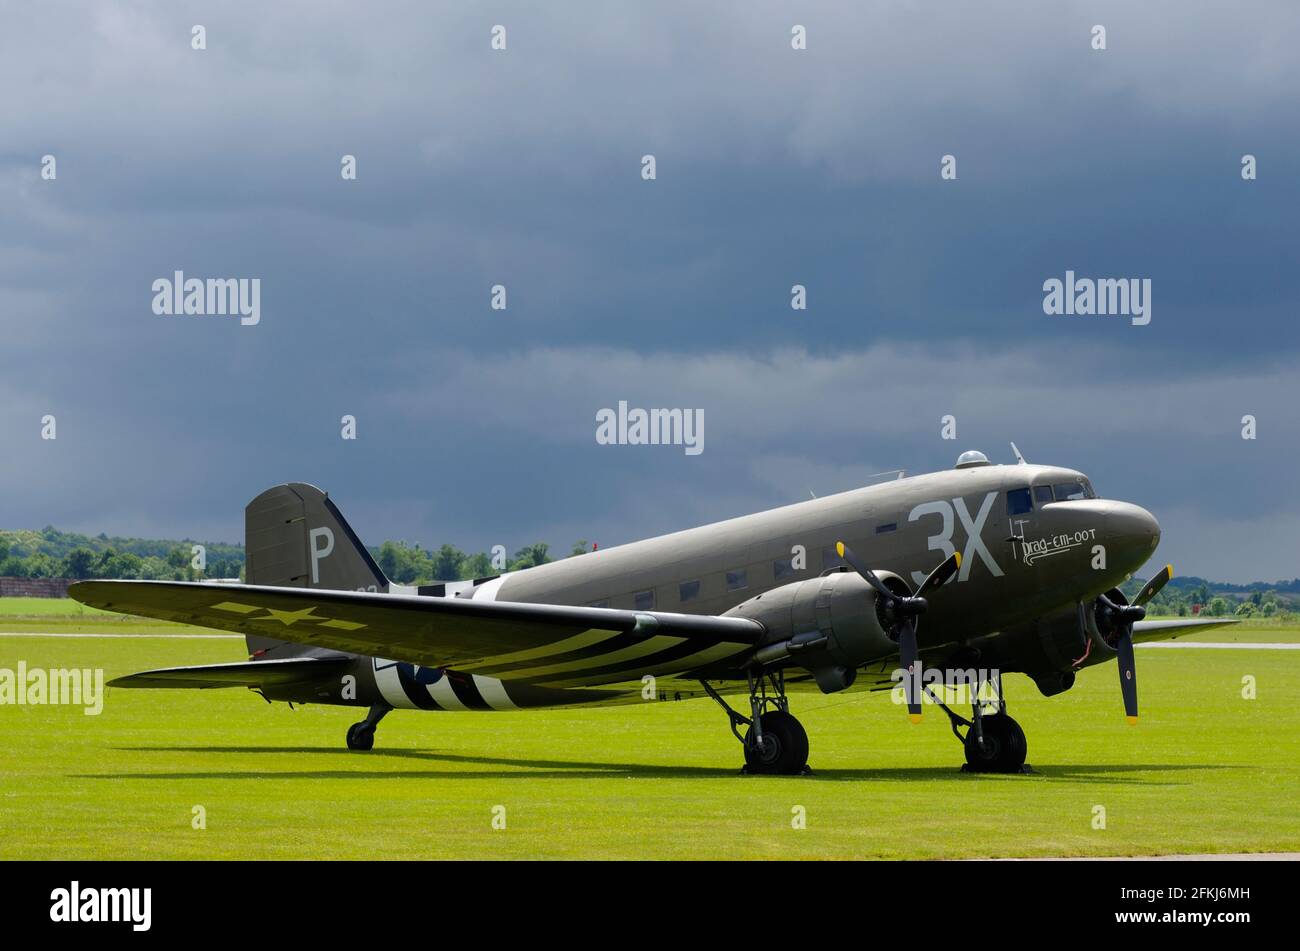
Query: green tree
x,y
389,553
80,563
447,563
530,556
119,565
476,566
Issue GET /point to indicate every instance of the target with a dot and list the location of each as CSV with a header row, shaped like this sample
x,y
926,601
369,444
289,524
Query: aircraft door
x,y
1022,504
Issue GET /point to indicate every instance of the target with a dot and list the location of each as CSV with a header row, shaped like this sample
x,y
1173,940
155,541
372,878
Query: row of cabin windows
x,y
737,579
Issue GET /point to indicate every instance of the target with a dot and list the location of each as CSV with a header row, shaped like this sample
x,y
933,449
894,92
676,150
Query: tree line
x,y
50,553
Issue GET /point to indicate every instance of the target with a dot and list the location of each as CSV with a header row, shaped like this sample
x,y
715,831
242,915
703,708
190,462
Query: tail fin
x,y
295,537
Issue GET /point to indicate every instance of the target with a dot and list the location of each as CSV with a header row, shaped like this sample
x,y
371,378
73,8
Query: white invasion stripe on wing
x,y
662,669
441,691
493,693
576,642
653,645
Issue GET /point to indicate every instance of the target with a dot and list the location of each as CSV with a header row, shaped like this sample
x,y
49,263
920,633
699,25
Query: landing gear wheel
x,y
1004,747
785,746
361,736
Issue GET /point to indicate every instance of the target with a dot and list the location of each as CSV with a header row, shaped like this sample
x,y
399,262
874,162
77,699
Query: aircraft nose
x,y
1133,522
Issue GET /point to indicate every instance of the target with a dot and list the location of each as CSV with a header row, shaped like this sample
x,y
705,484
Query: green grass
x,y
49,607
1205,771
68,616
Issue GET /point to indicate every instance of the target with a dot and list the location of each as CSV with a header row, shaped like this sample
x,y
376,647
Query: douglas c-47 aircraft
x,y
1014,567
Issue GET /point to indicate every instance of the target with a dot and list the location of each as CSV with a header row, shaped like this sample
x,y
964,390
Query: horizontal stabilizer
x,y
256,673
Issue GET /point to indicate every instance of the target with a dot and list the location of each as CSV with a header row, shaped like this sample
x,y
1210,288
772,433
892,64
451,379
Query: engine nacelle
x,y
828,625
1066,641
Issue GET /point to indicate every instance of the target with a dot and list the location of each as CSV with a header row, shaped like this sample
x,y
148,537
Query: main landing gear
x,y
361,736
775,742
994,742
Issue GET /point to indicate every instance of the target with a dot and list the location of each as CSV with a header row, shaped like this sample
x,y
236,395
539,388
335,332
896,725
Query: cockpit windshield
x,y
1069,491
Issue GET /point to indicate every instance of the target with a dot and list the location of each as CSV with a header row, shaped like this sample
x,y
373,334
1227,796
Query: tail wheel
x,y
1004,747
785,746
361,736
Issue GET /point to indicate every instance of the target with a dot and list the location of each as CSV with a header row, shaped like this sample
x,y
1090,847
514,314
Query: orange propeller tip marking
x,y
914,717
957,555
1132,721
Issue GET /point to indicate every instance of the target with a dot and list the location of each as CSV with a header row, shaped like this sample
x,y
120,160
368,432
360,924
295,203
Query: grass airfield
x,y
1204,771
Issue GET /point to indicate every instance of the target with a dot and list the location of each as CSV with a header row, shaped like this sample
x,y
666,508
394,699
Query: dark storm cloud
x,y
521,168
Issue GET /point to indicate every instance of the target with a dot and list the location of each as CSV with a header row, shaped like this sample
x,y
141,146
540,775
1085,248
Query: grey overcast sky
x,y
523,167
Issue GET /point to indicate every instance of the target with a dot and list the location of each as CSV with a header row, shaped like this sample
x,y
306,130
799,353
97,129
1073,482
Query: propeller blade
x,y
845,552
1152,587
907,654
1128,676
940,574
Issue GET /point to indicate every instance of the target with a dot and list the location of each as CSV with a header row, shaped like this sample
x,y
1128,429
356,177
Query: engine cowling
x,y
1062,643
1101,629
828,625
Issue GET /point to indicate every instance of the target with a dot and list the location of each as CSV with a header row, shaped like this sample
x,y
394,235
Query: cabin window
x,y
1042,493
688,590
782,568
1018,502
643,601
886,528
736,579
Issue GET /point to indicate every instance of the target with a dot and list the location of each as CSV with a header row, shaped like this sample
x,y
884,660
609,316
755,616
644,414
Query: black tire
x,y
785,746
360,737
1004,748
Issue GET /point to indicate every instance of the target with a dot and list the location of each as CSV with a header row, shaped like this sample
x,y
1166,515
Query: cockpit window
x,y
1069,491
1018,502
1042,493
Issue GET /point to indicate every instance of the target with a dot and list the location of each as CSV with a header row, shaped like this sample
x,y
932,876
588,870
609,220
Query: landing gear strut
x,y
775,742
361,736
994,742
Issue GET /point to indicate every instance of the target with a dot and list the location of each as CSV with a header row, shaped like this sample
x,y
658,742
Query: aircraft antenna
x,y
1019,458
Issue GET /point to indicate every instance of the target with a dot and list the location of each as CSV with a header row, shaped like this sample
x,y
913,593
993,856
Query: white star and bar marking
x,y
286,618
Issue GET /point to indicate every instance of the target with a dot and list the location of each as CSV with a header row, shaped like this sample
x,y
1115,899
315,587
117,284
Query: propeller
x,y
902,611
1120,618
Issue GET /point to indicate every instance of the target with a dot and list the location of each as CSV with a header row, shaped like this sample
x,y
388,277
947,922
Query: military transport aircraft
x,y
1015,568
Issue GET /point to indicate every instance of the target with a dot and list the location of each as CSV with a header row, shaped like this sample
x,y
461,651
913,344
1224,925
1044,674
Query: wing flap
x,y
430,631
